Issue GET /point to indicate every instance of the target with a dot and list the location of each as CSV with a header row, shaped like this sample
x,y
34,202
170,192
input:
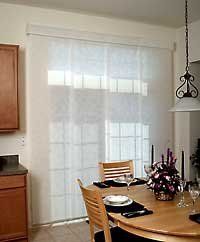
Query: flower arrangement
x,y
164,177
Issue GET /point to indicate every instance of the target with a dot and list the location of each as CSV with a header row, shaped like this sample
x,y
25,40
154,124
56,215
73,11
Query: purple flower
x,y
171,188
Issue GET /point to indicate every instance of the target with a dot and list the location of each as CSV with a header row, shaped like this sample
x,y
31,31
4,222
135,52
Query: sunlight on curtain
x,y
90,102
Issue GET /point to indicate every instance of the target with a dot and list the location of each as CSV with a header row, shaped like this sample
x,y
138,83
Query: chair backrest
x,y
96,212
111,170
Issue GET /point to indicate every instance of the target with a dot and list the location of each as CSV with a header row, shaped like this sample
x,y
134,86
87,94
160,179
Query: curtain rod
x,y
56,32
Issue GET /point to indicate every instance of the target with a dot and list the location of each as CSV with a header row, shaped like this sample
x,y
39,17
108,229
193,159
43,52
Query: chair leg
x,y
111,224
91,231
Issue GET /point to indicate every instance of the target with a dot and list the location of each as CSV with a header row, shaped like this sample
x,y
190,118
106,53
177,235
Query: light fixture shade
x,y
186,104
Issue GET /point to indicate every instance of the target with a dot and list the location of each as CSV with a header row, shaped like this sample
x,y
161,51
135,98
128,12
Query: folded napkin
x,y
112,183
134,206
195,217
101,184
138,213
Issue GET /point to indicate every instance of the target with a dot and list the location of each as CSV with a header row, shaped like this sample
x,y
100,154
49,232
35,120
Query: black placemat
x,y
195,217
111,183
117,184
134,206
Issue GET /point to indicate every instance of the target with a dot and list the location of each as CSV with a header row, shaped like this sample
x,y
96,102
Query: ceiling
x,y
168,13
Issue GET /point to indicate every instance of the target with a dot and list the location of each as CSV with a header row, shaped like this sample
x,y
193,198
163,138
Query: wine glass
x,y
182,203
128,179
148,170
194,193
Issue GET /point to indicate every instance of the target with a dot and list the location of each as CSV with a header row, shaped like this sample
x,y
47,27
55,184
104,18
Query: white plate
x,y
128,202
116,199
122,180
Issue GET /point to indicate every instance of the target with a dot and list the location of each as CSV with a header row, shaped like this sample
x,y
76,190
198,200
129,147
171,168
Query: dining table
x,y
168,222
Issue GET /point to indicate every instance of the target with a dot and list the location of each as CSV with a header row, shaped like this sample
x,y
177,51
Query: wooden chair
x,y
98,218
111,170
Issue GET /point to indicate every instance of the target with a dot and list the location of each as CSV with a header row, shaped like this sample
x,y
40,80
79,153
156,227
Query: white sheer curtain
x,y
91,101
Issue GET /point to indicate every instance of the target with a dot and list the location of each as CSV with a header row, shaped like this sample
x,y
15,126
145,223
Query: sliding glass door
x,y
88,102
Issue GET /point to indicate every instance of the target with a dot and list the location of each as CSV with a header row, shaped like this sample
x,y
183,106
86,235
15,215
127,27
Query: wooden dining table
x,y
167,223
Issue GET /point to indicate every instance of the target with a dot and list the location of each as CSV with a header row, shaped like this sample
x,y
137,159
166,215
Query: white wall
x,y
14,20
186,124
194,41
194,119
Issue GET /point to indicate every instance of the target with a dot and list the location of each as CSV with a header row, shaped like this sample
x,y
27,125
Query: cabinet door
x,y
8,91
13,222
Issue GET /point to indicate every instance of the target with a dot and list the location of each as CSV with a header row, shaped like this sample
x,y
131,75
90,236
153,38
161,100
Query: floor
x,y
73,232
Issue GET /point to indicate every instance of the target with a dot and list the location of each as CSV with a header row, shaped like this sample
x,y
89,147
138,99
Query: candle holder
x,y
182,203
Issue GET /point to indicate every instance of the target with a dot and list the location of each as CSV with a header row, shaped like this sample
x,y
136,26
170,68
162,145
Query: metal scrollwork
x,y
191,90
194,92
187,79
179,92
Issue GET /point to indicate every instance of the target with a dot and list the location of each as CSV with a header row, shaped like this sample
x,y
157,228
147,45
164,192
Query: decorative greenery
x,y
195,158
164,176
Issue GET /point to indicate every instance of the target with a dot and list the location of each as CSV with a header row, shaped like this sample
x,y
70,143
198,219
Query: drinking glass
x,y
194,193
148,170
128,179
182,203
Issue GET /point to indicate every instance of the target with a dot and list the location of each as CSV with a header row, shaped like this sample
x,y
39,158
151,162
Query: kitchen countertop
x,y
9,165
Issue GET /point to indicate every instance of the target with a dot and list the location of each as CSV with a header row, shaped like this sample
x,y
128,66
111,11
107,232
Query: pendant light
x,y
186,92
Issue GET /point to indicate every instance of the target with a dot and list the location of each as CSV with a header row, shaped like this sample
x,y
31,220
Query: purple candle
x,y
168,152
162,158
152,155
182,165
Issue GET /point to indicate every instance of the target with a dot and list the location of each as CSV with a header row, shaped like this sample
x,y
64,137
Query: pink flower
x,y
167,178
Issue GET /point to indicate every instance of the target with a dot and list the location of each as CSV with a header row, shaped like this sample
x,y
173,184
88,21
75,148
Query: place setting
x,y
165,182
125,205
194,191
125,180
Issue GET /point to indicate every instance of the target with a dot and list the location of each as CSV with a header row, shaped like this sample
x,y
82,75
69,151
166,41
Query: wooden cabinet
x,y
9,112
13,208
